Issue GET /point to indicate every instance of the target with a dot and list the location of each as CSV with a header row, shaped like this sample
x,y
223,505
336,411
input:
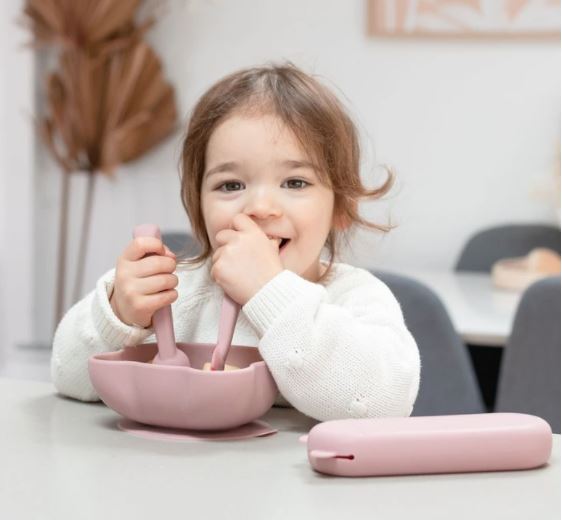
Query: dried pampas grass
x,y
108,111
107,101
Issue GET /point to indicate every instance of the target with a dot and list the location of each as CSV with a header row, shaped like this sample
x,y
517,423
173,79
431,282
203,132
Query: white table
x,y
481,313
62,459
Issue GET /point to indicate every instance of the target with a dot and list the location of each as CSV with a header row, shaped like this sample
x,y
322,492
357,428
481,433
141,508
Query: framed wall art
x,y
464,18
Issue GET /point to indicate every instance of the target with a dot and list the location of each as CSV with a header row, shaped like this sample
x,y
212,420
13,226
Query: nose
x,y
262,205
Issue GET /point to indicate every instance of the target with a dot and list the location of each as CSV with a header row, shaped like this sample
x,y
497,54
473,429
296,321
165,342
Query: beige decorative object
x,y
464,18
516,274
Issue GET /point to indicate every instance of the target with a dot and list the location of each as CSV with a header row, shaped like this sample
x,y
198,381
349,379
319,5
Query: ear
x,y
341,222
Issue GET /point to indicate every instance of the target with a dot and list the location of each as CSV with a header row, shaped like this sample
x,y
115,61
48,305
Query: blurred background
x,y
460,98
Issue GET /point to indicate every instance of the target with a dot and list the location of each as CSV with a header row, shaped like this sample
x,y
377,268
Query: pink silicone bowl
x,y
181,396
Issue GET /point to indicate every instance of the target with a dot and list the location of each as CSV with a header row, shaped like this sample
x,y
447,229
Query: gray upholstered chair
x,y
530,372
181,243
448,384
479,254
486,247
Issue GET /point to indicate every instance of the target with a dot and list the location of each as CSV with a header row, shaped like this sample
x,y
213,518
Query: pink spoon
x,y
168,353
229,315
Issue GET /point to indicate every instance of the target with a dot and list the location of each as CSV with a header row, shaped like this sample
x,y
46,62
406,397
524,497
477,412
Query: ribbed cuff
x,y
280,293
111,329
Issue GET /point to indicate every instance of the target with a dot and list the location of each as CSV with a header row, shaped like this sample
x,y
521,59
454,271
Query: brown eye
x,y
300,184
228,186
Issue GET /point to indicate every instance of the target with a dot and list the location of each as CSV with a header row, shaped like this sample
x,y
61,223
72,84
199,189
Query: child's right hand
x,y
143,284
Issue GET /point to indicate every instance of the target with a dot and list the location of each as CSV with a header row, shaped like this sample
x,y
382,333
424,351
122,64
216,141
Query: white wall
x,y
16,182
471,128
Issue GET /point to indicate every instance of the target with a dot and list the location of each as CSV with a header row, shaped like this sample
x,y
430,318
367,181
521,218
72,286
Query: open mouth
x,y
281,242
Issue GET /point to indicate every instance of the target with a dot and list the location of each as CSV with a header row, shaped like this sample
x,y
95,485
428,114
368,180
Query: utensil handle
x,y
162,318
229,314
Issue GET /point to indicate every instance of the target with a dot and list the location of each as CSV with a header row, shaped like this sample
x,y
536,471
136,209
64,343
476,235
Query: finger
x,y
243,222
141,246
153,302
152,265
157,283
216,255
170,253
224,236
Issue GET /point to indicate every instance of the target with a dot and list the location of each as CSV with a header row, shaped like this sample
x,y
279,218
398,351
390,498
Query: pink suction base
x,y
246,431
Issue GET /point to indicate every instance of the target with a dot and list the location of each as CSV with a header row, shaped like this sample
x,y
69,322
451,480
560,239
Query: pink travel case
x,y
438,444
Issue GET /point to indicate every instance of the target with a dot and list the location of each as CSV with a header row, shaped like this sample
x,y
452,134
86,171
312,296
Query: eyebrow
x,y
232,166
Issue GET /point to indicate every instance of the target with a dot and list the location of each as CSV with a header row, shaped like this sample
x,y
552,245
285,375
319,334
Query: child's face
x,y
255,166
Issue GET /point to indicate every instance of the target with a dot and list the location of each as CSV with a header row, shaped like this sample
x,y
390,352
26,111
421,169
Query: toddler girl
x,y
270,177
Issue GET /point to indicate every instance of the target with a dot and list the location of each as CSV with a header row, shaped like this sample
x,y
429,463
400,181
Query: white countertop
x,y
481,313
63,459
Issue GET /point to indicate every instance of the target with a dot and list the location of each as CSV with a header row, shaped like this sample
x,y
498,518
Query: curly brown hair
x,y
318,120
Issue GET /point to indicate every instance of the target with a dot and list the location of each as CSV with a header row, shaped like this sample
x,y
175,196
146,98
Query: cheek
x,y
320,219
314,227
215,219
209,217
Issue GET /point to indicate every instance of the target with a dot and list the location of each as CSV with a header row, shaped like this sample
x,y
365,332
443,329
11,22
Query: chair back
x,y
448,384
490,245
529,380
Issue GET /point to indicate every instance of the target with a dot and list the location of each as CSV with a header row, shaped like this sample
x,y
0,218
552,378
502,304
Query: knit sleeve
x,y
347,355
89,327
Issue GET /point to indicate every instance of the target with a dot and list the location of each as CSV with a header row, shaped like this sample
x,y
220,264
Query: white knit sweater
x,y
336,350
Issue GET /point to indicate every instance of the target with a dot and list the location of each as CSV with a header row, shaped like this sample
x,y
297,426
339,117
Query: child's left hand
x,y
245,259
